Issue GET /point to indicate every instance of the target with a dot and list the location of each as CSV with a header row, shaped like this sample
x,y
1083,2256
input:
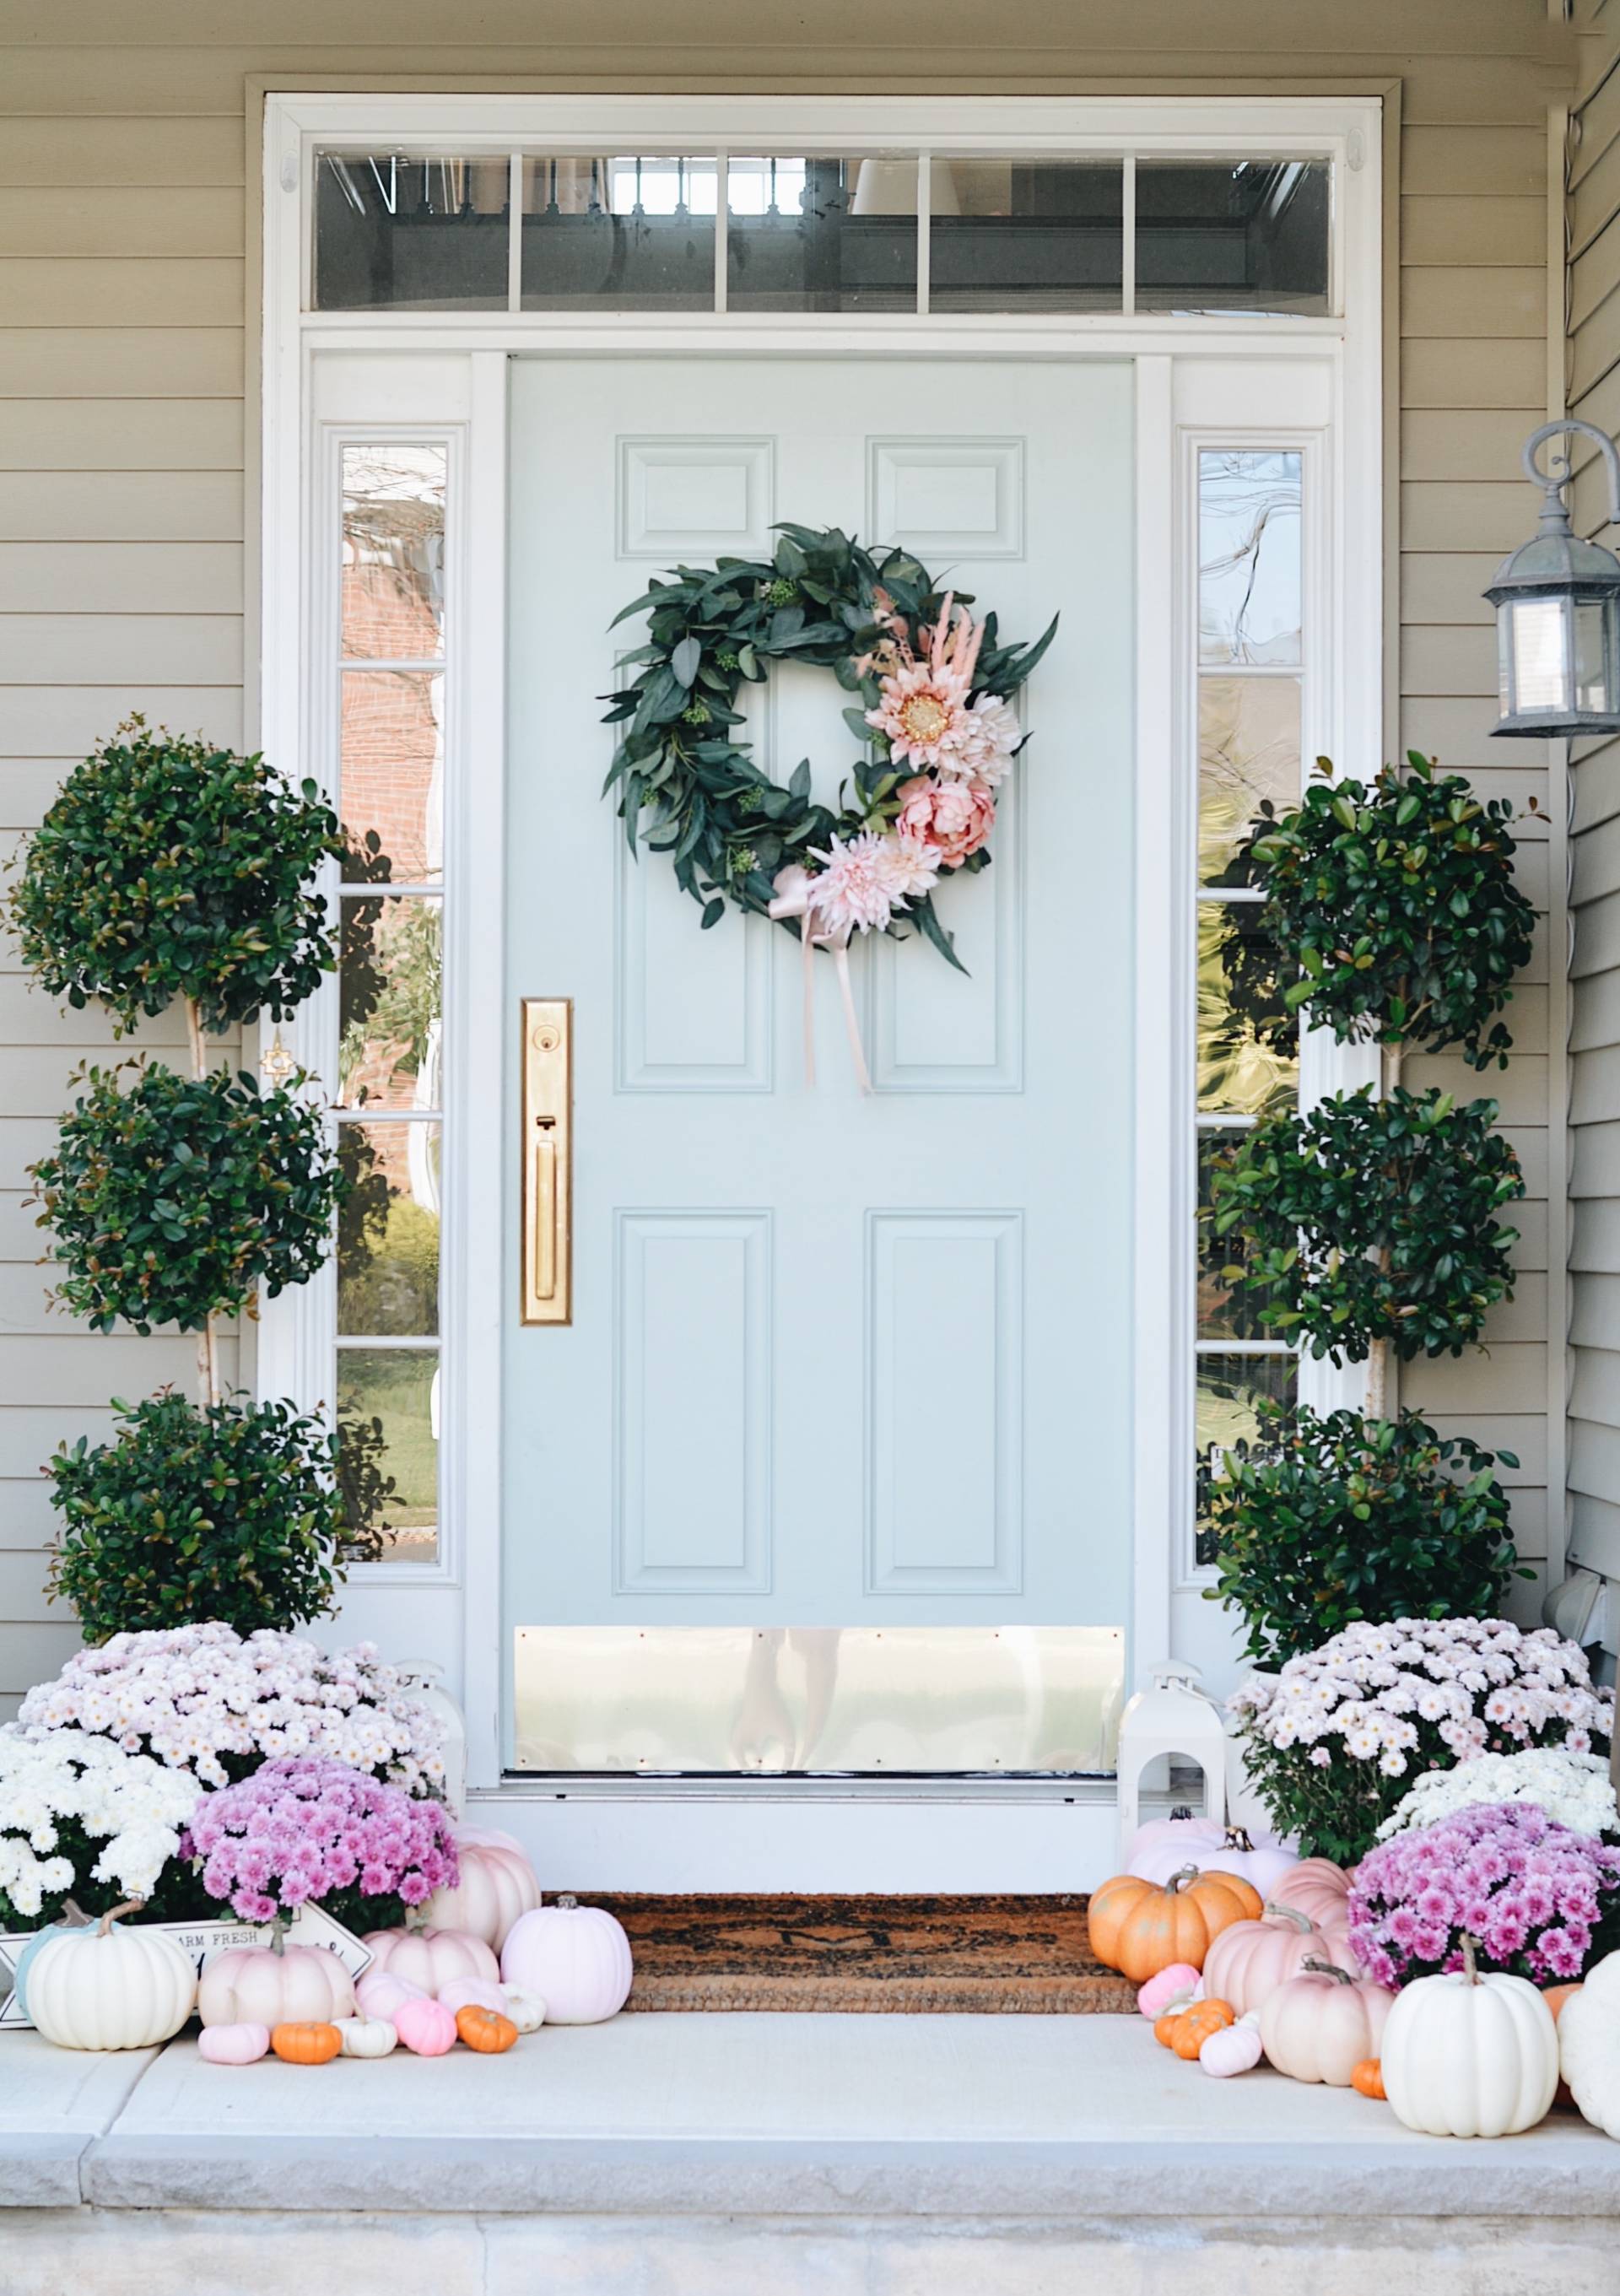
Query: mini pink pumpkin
x,y
1180,1982
233,2044
1235,2049
380,1993
476,1990
432,1958
426,2026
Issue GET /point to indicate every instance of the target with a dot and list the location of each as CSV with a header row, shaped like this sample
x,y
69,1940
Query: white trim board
x,y
444,375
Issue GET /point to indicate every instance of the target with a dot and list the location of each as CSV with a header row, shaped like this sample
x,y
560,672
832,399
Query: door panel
x,y
836,1361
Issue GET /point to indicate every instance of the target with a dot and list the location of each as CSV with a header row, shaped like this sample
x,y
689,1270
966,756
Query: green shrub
x,y
173,1200
1327,1520
228,1512
1363,1220
166,868
1398,905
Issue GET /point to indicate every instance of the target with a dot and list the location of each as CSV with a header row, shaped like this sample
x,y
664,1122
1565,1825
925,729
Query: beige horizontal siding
x,y
124,298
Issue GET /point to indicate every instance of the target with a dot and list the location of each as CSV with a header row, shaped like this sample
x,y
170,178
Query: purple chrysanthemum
x,y
300,1830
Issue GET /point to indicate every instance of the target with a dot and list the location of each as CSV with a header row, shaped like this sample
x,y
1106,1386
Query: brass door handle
x,y
545,1266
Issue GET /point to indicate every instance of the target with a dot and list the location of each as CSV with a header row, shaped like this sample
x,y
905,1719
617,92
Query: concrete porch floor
x,y
660,2155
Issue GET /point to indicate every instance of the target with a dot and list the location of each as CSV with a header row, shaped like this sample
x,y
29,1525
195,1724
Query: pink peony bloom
x,y
951,818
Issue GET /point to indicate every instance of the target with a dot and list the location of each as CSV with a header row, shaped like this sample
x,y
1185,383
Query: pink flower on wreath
x,y
863,882
955,818
922,706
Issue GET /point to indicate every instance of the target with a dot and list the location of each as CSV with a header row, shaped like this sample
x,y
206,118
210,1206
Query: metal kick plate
x,y
874,1701
546,1275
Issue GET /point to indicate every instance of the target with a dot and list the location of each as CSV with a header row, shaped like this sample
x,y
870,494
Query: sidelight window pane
x,y
1249,560
391,777
821,234
1223,1313
1249,751
393,552
632,234
1247,1040
1230,1388
1027,235
388,1436
427,233
387,1231
1233,235
390,1003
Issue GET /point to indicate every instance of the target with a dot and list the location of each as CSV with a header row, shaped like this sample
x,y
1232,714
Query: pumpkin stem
x,y
1326,1969
1187,1873
75,1912
1181,1810
568,1901
1470,1966
133,1906
1302,1922
1237,1838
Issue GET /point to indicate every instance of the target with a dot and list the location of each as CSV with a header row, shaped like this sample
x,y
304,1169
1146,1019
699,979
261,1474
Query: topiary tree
x,y
170,869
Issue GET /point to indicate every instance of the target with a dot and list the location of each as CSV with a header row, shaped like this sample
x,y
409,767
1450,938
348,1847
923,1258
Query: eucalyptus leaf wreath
x,y
931,701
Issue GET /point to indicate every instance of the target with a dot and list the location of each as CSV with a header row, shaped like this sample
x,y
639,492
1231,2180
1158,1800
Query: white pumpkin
x,y
498,1886
103,1987
1589,2046
365,2037
1164,1845
526,2010
1319,2026
254,1985
577,1957
431,1957
1467,2055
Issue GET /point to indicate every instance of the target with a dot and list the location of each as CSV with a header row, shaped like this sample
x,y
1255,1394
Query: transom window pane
x,y
618,233
1233,235
821,234
1046,235
429,233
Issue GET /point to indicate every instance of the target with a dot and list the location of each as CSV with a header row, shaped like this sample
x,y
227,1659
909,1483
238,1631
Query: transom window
x,y
879,231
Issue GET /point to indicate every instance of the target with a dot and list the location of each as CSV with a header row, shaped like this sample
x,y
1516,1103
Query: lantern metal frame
x,y
1545,594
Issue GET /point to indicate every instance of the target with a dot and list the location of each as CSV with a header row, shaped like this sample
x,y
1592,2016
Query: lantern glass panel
x,y
1540,666
1594,650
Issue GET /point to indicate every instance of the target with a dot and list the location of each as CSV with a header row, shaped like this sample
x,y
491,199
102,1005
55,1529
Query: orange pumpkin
x,y
485,2029
307,2044
1164,2027
1555,1996
1367,2078
1140,1928
1194,2026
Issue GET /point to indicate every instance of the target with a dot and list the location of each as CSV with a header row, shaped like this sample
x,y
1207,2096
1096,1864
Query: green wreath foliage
x,y
1327,1519
174,1200
229,1511
1364,1219
725,825
170,867
1397,909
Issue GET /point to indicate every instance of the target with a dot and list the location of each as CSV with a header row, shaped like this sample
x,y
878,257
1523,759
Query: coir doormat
x,y
920,1955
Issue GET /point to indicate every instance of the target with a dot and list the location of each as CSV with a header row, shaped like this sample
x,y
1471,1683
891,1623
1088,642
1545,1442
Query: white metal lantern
x,y
1557,611
1171,1716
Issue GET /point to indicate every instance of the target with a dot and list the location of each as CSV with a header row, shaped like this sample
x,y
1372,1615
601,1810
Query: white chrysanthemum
x,y
136,1808
1574,1790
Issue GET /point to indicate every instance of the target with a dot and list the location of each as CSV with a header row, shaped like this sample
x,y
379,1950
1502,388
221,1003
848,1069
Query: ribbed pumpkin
x,y
1249,1961
1141,1927
306,2041
1323,2023
1319,1889
106,1986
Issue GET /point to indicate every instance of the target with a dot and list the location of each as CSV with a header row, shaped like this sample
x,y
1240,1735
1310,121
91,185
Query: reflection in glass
x,y
429,234
387,1231
1017,235
1230,1390
390,1003
388,1433
393,551
1248,559
1231,235
619,234
821,234
1247,1040
391,782
1222,1314
1248,750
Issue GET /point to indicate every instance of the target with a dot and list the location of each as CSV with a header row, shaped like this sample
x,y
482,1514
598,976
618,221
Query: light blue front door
x,y
837,1362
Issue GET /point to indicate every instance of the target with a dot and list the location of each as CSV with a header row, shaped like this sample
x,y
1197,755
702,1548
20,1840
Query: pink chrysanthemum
x,y
862,883
304,1830
922,706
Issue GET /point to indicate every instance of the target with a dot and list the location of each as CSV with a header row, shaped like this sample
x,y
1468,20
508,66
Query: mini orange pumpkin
x,y
1140,1928
485,2029
1367,2078
1164,2027
1194,2026
1555,1996
307,2044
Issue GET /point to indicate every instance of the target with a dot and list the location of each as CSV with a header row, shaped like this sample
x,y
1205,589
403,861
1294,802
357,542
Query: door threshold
x,y
796,1786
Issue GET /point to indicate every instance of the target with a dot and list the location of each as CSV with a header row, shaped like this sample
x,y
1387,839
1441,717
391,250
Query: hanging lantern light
x,y
1557,611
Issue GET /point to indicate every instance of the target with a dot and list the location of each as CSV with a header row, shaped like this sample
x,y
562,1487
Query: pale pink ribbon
x,y
795,890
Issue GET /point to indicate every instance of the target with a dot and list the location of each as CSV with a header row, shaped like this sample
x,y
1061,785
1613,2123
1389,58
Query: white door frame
x,y
445,374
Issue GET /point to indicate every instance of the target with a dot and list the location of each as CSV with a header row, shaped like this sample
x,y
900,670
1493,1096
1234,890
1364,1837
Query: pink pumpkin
x,y
252,1985
576,1958
498,1886
233,2044
380,1993
1179,1981
432,1958
1322,2023
1164,1845
1319,1889
476,1991
426,2026
1248,1962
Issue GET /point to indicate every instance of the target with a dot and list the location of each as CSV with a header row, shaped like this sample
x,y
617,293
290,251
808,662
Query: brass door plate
x,y
546,1273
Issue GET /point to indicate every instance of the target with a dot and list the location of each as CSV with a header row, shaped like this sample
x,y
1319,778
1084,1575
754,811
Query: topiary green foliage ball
x,y
170,867
1364,1219
227,1513
175,1200
1397,903
1325,1520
